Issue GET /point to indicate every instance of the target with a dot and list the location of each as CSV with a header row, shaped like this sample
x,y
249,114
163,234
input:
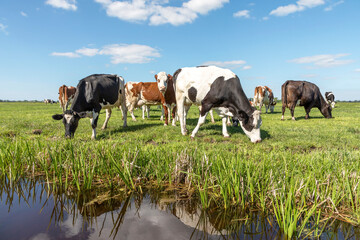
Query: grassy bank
x,y
303,171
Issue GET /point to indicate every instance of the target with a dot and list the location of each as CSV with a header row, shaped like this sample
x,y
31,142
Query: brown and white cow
x,y
160,92
264,96
66,94
307,93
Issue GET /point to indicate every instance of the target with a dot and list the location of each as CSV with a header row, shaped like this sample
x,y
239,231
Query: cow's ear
x,y
155,77
170,77
58,116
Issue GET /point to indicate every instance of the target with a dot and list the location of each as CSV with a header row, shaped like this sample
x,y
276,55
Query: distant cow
x,y
330,98
46,101
308,94
218,88
95,92
264,95
66,94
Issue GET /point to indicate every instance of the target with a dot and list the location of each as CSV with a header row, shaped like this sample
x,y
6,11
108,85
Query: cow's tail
x,y
175,75
284,93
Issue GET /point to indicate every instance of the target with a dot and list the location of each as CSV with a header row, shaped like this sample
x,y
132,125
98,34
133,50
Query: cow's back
x,y
195,82
103,89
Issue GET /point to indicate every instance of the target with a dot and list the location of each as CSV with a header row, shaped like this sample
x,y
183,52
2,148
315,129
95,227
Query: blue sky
x,y
47,43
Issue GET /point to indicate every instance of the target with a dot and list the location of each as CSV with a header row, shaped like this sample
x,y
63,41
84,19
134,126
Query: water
x,y
32,210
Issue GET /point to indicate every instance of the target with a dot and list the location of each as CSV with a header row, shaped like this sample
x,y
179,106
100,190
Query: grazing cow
x,y
66,94
264,95
95,92
218,88
308,94
330,98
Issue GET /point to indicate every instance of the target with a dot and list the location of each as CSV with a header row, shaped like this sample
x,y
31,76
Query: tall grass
x,y
302,172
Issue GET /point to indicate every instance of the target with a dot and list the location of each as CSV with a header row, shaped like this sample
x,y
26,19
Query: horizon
x,y
48,43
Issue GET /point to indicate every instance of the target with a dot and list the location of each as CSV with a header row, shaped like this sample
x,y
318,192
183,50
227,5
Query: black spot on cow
x,y
192,92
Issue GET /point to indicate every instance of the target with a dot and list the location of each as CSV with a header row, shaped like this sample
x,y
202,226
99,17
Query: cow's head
x,y
251,125
70,121
326,111
162,81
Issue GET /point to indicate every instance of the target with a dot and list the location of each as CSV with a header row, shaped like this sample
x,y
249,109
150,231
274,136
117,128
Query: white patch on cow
x,y
68,117
222,112
162,81
333,105
255,134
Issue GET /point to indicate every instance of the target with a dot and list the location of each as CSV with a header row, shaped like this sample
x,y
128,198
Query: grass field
x,y
304,171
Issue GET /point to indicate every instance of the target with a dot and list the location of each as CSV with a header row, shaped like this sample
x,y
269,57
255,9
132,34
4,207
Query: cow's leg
x,y
224,127
143,108
266,108
94,120
147,111
200,122
283,111
228,122
174,116
211,116
166,114
181,113
292,108
162,114
131,110
108,115
124,110
307,110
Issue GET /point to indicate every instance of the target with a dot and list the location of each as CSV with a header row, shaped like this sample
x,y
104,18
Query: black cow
x,y
330,98
218,88
94,93
308,94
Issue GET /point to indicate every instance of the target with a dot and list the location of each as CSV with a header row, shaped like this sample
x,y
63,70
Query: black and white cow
x,y
218,88
95,92
330,98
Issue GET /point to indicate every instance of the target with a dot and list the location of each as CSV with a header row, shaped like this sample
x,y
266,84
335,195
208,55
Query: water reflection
x,y
32,210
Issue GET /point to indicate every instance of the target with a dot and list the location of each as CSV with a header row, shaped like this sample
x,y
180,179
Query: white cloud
x,y
357,70
65,54
157,13
247,67
133,53
119,53
204,6
65,4
330,8
242,13
226,64
23,14
88,51
3,29
265,18
300,5
323,61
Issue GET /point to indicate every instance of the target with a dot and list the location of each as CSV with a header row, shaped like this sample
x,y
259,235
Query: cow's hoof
x,y
174,125
192,138
165,124
226,136
293,119
103,128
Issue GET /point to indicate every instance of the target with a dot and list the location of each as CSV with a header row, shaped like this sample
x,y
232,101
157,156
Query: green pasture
x,y
304,172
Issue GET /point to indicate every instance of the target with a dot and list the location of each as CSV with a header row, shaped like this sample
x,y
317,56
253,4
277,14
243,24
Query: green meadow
x,y
305,173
